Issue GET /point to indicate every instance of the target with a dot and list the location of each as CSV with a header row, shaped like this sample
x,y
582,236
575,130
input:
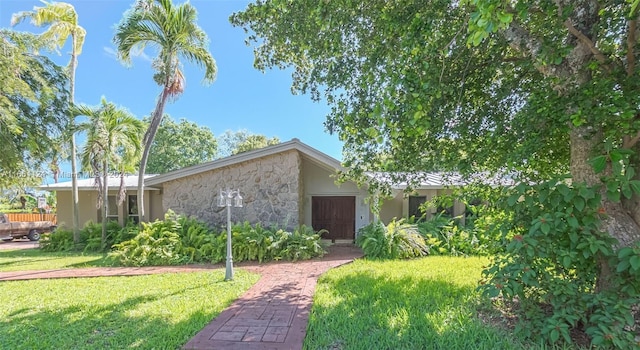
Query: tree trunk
x,y
147,141
105,203
74,166
617,221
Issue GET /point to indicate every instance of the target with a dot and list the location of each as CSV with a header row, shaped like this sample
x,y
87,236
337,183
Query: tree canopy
x,y
33,94
531,90
180,144
234,142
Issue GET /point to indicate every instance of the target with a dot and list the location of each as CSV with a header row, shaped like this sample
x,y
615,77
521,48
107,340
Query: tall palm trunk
x,y
147,141
74,166
105,202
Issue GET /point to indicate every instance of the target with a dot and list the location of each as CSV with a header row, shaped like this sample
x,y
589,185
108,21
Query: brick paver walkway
x,y
272,314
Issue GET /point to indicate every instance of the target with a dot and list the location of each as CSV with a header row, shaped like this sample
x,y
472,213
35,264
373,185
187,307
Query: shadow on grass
x,y
366,310
118,325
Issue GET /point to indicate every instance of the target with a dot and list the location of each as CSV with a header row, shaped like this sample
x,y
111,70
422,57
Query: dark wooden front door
x,y
336,214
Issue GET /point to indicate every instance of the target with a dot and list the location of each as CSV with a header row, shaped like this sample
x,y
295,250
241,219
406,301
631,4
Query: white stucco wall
x,y
318,181
87,207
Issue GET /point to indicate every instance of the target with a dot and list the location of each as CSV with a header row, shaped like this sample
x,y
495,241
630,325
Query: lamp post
x,y
225,200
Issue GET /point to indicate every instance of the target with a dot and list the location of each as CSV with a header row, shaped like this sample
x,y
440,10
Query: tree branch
x,y
628,142
583,38
631,44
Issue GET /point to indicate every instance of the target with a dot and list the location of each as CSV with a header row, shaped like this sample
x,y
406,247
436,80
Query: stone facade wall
x,y
270,187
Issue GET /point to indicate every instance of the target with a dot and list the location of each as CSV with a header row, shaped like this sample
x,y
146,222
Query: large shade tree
x,y
179,145
113,144
172,30
529,89
33,94
532,89
62,21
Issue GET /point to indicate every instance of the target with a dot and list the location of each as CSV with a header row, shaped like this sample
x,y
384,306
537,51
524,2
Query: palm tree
x,y
173,31
113,142
62,20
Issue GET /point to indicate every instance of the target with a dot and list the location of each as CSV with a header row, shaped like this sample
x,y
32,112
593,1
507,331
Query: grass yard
x,y
142,312
428,303
36,259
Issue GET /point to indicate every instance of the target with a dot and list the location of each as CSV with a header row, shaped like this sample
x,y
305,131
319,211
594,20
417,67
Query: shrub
x,y
180,240
158,243
258,243
551,267
90,238
398,240
301,244
446,236
252,243
60,240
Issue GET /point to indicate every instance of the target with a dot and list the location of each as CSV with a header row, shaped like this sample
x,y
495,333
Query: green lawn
x,y
428,303
142,312
36,259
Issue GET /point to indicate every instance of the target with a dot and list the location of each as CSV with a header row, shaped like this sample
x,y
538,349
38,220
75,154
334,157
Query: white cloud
x,y
111,52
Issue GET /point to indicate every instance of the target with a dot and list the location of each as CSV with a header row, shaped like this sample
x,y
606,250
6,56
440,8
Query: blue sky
x,y
240,98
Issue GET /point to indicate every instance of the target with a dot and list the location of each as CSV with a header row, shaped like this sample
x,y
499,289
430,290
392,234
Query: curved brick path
x,y
272,314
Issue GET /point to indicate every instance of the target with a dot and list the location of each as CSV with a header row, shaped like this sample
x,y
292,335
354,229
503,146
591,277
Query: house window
x,y
414,206
112,209
132,209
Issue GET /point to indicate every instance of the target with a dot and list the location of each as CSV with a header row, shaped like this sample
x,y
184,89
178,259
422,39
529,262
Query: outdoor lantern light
x,y
225,200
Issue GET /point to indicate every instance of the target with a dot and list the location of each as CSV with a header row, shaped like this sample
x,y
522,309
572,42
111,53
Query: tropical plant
x,y
179,239
62,20
397,240
90,238
157,243
173,31
113,142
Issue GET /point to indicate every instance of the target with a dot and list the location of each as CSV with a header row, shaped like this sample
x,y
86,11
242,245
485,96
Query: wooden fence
x,y
31,217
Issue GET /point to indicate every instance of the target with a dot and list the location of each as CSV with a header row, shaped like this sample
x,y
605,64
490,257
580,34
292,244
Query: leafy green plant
x,y
182,240
552,263
90,238
158,243
447,236
398,240
60,240
301,244
252,242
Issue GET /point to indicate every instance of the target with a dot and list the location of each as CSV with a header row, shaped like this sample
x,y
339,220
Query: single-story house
x,y
287,185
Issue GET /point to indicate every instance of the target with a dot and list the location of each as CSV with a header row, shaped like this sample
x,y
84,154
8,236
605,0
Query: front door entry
x,y
336,214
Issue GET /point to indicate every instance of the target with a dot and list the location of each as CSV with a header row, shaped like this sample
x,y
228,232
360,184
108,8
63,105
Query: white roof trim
x,y
88,184
310,153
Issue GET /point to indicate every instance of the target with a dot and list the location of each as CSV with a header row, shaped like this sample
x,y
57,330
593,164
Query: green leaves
x,y
397,240
553,261
172,146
